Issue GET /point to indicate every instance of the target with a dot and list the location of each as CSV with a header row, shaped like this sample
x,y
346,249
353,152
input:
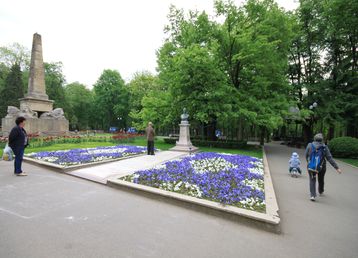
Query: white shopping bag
x,y
7,154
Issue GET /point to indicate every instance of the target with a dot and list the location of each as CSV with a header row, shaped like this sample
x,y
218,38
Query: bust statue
x,y
184,117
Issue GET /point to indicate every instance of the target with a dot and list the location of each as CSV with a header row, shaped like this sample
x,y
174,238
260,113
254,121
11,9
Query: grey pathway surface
x,y
48,214
101,173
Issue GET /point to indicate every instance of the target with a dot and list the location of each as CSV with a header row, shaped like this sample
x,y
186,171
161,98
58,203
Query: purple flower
x,y
228,179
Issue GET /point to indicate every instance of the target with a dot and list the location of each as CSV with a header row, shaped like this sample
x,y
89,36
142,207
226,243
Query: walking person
x,y
316,155
150,138
18,141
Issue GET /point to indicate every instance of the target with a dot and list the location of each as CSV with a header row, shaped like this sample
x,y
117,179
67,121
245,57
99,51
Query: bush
x,y
170,140
213,144
344,147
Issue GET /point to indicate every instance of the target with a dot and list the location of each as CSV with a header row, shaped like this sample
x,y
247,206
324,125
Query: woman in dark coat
x,y
18,141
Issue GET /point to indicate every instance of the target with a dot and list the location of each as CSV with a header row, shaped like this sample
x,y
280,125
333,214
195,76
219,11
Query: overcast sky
x,y
91,35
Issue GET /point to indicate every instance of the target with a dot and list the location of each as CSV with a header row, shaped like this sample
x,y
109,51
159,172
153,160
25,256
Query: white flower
x,y
211,165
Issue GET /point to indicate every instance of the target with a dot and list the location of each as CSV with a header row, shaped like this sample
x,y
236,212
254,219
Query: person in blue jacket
x,y
18,141
295,162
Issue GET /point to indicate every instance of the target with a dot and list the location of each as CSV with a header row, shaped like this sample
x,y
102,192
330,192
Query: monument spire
x,y
36,86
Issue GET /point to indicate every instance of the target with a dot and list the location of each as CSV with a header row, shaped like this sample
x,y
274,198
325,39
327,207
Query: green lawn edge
x,y
254,151
353,162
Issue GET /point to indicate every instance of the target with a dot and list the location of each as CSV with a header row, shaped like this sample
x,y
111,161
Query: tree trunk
x,y
240,131
352,129
307,132
330,132
262,135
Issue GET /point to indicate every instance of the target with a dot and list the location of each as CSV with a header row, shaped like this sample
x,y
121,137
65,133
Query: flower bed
x,y
89,155
228,179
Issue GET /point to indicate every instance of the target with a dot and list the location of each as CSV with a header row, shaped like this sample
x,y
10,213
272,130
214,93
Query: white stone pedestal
x,y
184,144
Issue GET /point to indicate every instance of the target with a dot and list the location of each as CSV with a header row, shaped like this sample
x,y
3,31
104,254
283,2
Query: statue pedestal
x,y
184,144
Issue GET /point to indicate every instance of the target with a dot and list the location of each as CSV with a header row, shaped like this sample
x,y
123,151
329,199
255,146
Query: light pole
x,y
312,107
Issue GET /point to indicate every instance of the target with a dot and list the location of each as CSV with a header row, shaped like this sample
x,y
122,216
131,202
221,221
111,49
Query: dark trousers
x,y
150,147
312,178
19,155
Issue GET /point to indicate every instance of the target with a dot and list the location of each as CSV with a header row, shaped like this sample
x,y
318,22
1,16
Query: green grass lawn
x,y
68,146
353,162
159,144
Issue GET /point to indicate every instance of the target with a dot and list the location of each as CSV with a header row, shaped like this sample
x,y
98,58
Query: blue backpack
x,y
316,158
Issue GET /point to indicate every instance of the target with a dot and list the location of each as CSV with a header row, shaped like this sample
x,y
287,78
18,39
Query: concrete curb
x,y
71,168
270,197
269,221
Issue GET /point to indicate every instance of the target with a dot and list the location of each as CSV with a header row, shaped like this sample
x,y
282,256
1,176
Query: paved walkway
x,y
101,173
49,214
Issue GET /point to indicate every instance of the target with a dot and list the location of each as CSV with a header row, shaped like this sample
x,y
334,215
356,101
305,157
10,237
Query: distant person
x,y
150,138
295,162
316,155
18,141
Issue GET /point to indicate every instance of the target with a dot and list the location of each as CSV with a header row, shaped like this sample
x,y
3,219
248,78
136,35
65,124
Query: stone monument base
x,y
48,126
185,148
36,104
184,144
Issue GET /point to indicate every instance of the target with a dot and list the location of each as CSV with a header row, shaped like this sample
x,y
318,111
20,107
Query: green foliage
x,y
15,54
344,147
12,91
80,105
111,100
212,144
326,30
55,81
142,85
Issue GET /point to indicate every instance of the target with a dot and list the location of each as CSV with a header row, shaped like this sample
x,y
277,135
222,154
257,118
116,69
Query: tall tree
x,y
12,91
55,81
254,43
341,87
139,87
80,105
15,54
111,100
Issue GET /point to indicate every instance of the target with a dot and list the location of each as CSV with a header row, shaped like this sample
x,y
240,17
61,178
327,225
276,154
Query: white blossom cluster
x,y
256,184
190,189
102,151
50,159
251,203
258,169
212,165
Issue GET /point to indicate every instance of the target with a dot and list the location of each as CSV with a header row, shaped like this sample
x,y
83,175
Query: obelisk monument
x,y
36,98
36,106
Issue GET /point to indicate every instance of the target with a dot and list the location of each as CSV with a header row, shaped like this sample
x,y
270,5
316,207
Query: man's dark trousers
x,y
19,155
150,147
320,177
321,174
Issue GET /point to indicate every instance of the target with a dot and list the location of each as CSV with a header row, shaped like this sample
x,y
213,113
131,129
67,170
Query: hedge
x,y
213,144
344,147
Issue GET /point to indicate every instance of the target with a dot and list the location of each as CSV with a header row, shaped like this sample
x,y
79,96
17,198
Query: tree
x,y
12,91
139,87
323,66
15,54
55,81
341,87
254,41
111,100
80,105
